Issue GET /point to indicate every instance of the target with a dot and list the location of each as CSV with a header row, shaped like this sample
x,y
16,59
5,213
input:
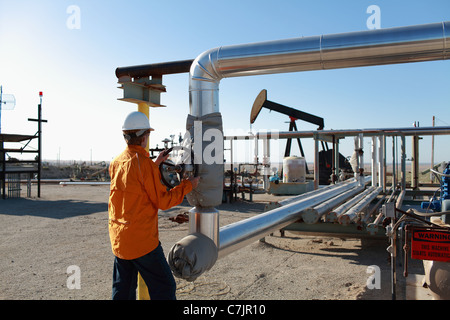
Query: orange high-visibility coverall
x,y
136,194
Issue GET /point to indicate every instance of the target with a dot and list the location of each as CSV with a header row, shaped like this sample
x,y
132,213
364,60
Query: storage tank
x,y
294,169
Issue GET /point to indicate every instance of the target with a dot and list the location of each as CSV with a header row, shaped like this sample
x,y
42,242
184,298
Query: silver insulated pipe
x,y
427,42
419,43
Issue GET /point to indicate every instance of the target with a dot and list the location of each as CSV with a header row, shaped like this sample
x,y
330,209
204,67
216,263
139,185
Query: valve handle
x,y
172,174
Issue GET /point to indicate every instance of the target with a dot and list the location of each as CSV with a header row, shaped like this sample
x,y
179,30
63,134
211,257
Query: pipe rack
x,y
352,214
237,235
313,215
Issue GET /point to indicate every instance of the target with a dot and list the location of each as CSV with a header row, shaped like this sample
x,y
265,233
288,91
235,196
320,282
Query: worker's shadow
x,y
56,209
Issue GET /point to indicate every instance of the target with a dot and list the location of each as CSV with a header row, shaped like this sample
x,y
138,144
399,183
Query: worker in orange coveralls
x,y
136,195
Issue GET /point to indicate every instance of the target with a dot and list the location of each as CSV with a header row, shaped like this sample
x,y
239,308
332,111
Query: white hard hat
x,y
136,121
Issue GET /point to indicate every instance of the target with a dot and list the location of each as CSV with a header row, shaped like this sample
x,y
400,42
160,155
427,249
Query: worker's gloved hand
x,y
161,158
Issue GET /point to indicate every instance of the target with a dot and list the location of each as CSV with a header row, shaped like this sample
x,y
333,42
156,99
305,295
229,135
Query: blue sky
x,y
75,69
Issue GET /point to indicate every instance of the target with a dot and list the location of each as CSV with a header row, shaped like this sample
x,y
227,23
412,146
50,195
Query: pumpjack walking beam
x,y
294,114
261,101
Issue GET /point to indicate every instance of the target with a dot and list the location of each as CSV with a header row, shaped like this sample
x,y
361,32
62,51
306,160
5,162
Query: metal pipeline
x,y
187,258
312,215
373,210
344,185
357,49
335,214
156,69
375,132
239,234
419,43
352,213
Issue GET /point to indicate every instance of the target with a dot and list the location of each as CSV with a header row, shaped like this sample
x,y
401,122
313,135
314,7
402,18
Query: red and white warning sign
x,y
430,244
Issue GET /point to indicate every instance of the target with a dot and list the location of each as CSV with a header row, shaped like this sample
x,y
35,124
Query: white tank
x,y
294,169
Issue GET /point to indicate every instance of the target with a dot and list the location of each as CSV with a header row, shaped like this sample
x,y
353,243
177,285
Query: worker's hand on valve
x,y
161,158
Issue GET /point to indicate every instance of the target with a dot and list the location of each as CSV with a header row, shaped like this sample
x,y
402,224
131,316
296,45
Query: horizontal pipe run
x,y
413,131
312,215
334,214
339,186
375,207
346,50
155,69
352,213
333,229
239,234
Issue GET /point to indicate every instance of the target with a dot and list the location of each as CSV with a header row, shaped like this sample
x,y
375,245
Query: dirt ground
x,y
42,238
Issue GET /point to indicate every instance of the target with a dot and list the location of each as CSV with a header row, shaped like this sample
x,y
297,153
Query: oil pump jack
x,y
325,155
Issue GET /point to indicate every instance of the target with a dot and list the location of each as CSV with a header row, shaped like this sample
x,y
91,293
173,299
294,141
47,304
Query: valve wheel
x,y
172,174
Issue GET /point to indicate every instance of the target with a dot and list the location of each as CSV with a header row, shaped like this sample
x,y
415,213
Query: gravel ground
x,y
42,238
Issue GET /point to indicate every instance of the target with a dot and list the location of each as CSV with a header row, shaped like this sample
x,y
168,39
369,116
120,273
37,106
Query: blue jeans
x,y
154,270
